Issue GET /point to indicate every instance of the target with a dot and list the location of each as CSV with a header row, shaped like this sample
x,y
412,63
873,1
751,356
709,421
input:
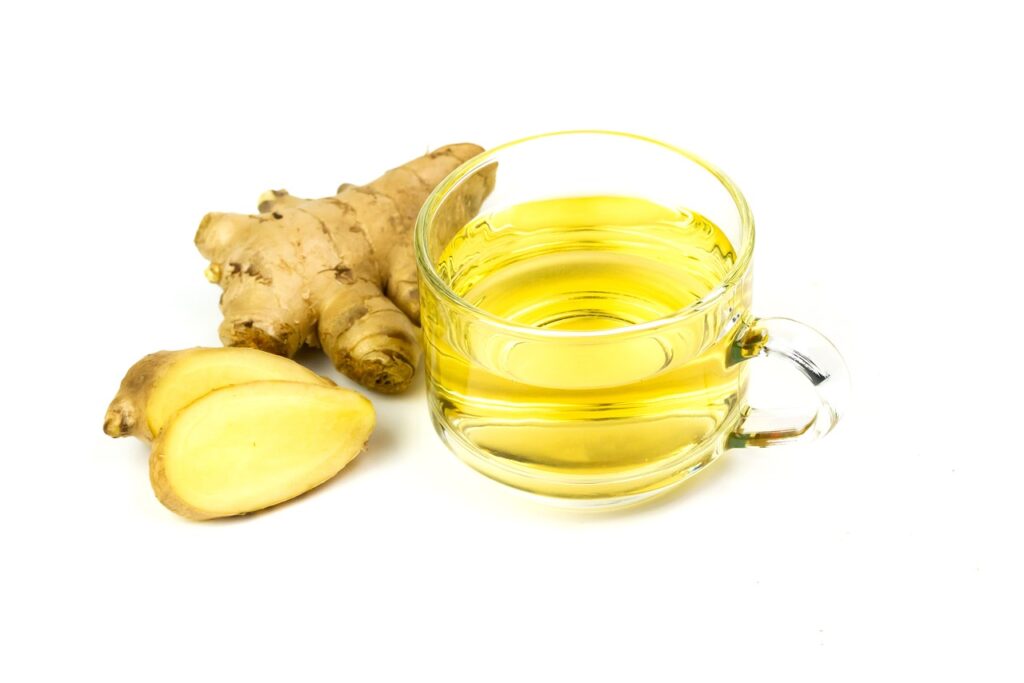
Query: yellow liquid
x,y
596,415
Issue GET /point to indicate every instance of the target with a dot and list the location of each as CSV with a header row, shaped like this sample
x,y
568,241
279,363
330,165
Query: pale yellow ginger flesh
x,y
246,447
337,272
162,383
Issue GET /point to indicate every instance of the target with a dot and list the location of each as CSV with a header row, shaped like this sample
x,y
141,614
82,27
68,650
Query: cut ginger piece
x,y
162,383
246,447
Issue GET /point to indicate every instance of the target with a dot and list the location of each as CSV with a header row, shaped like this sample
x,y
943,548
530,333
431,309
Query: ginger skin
x,y
160,384
337,272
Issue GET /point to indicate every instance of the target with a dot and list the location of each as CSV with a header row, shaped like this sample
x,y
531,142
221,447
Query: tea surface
x,y
586,263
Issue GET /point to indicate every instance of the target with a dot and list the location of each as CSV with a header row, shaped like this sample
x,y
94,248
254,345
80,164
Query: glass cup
x,y
610,415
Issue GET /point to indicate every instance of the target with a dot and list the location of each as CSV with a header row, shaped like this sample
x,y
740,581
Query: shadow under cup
x,y
605,416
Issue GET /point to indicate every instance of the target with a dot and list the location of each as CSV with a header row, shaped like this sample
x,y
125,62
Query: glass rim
x,y
431,277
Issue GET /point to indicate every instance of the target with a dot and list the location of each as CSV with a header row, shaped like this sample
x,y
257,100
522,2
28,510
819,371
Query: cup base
x,y
646,487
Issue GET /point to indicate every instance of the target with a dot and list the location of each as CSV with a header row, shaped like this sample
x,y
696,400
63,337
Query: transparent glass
x,y
606,415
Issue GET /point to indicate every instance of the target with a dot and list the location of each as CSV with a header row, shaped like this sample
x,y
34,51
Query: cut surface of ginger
x,y
204,370
246,447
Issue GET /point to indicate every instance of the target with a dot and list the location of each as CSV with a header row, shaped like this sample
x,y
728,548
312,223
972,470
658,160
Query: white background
x,y
880,149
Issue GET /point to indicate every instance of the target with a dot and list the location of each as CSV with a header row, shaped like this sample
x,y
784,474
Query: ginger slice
x,y
163,383
246,447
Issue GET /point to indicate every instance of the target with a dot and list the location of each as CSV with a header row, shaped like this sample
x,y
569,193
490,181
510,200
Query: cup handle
x,y
816,359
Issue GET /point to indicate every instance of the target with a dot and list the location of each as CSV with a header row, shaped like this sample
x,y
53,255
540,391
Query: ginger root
x,y
162,383
246,447
337,272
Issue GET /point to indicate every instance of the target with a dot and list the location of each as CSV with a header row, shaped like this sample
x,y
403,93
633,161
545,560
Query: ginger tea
x,y
594,398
